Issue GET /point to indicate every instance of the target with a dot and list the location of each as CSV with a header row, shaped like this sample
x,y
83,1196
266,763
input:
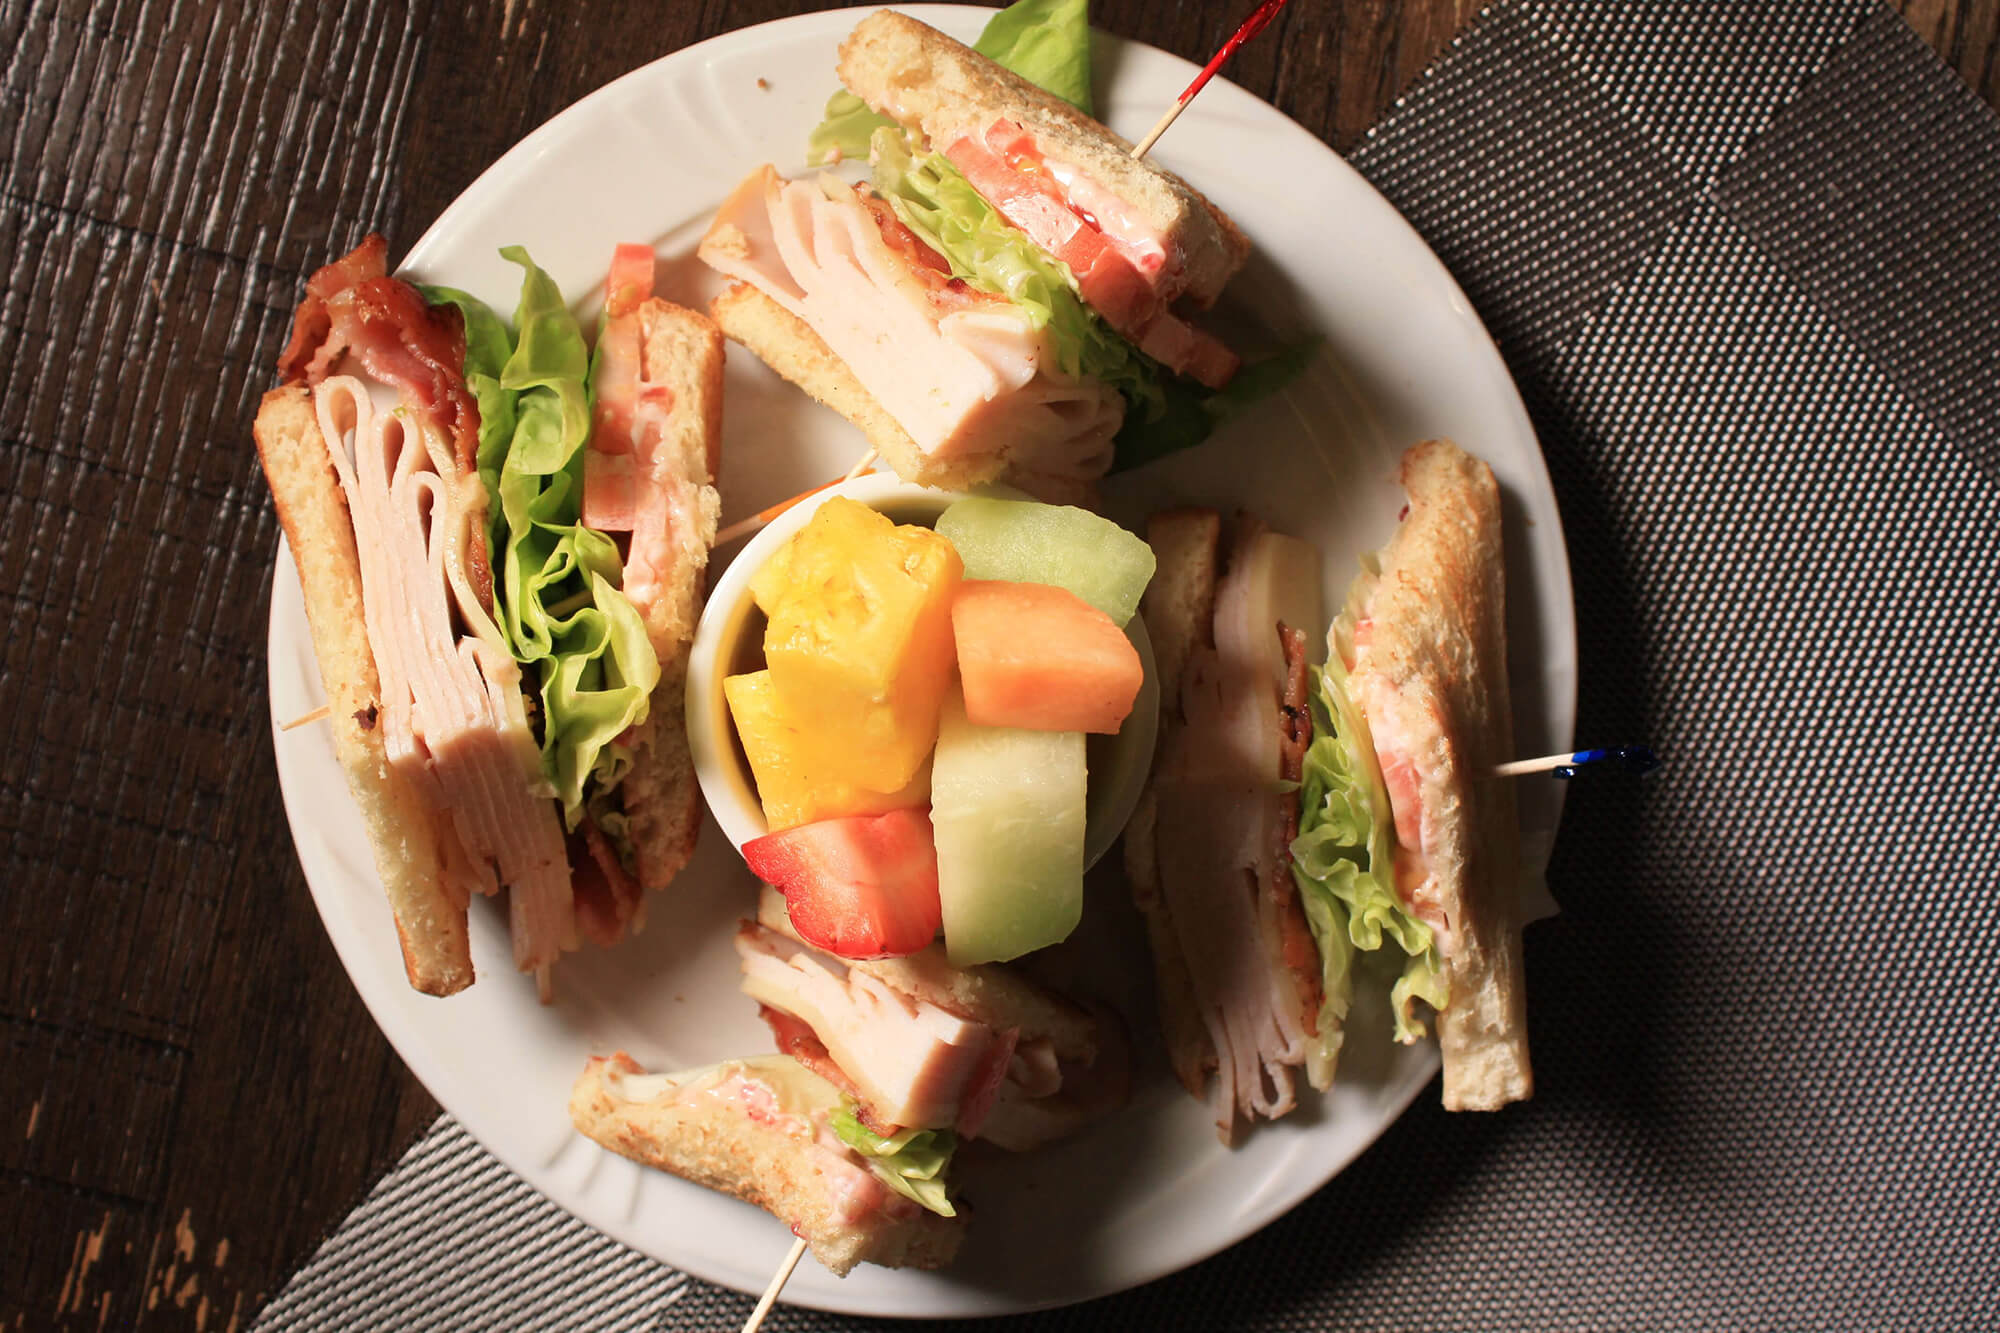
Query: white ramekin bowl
x,y
729,640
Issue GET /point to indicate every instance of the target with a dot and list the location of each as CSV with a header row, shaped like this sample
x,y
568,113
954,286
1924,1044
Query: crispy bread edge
x,y
1440,637
313,511
784,342
714,1145
1179,610
660,794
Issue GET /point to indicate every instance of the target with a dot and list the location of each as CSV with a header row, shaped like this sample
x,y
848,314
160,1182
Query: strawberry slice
x,y
861,887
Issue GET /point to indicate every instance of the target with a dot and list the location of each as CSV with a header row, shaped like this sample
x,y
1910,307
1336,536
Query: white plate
x,y
647,159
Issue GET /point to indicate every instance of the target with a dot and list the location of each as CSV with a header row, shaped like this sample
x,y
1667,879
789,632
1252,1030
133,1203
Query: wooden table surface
x,y
190,1092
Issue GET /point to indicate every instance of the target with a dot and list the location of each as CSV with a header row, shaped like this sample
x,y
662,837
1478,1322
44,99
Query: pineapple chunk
x,y
860,639
799,777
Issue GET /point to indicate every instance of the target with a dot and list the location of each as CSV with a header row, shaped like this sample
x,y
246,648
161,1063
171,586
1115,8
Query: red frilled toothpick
x,y
1253,25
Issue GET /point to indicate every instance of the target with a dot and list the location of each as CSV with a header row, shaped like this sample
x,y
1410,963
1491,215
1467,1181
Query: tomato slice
x,y
630,280
1008,176
1032,202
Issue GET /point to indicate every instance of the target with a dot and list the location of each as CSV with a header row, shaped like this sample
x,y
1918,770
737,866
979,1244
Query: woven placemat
x,y
1744,261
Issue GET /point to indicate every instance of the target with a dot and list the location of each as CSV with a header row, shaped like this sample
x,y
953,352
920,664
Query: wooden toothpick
x,y
778,1280
744,527
1251,27
316,715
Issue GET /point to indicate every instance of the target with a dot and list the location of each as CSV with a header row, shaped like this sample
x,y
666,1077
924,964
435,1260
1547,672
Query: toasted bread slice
x,y
915,74
661,798
772,1161
1433,680
1179,609
683,350
1179,604
787,345
430,919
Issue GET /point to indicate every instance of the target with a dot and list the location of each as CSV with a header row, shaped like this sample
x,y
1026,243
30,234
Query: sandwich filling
x,y
911,1063
643,474
560,601
863,1173
1357,858
1119,264
1226,820
969,375
451,712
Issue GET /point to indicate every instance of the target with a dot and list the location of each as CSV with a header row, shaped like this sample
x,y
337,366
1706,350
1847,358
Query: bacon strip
x,y
606,897
353,306
796,1038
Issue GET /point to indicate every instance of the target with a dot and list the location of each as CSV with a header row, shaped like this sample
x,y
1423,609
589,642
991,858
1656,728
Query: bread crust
x,y
1179,610
430,921
787,344
716,1145
683,349
917,75
1437,658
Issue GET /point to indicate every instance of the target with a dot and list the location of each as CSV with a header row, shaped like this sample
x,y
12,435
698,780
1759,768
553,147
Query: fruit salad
x,y
917,731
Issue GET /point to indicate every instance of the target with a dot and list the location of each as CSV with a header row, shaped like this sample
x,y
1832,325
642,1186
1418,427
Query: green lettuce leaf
x,y
1326,915
910,1162
557,583
845,131
1188,413
488,346
934,200
1046,42
1343,859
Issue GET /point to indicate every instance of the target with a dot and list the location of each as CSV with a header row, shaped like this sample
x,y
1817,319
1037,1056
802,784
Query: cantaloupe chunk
x,y
1040,658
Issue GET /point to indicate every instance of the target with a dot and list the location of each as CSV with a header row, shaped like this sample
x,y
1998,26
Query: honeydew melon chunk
x,y
1007,808
1025,541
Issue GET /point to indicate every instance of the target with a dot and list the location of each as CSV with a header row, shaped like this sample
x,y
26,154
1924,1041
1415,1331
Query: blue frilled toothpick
x,y
1626,758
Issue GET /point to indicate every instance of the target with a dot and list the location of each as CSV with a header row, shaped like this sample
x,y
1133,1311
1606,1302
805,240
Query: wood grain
x,y
190,1091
